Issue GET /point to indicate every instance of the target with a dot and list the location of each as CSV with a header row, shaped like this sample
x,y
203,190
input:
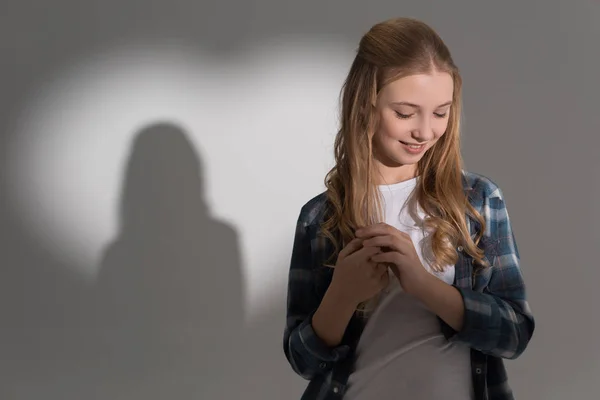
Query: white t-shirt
x,y
402,353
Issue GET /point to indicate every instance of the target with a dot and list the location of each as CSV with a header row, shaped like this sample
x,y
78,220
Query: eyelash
x,y
406,116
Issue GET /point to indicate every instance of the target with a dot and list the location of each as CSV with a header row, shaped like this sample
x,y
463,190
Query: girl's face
x,y
413,116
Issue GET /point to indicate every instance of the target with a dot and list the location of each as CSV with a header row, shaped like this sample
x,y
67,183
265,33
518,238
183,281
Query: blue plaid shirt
x,y
498,322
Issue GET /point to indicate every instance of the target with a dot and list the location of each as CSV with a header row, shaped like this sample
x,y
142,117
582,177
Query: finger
x,y
375,230
374,270
367,252
350,248
381,230
371,273
388,241
392,257
382,269
385,280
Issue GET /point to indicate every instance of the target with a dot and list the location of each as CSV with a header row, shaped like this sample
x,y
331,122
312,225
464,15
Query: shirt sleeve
x,y
307,354
498,320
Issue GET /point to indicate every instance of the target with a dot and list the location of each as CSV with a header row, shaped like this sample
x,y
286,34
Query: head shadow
x,y
168,297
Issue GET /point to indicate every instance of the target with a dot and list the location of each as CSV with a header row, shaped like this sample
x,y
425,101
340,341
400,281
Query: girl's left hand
x,y
399,252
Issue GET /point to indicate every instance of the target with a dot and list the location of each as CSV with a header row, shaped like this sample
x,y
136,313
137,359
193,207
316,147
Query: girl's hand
x,y
356,278
399,251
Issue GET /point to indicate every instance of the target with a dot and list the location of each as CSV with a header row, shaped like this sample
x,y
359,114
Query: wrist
x,y
338,296
422,285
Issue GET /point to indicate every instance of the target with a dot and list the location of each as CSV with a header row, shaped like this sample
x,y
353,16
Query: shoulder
x,y
313,211
487,198
480,188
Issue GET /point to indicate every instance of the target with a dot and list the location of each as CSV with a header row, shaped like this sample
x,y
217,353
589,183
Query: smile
x,y
413,148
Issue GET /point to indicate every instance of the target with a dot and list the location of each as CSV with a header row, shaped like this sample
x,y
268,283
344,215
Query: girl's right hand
x,y
356,278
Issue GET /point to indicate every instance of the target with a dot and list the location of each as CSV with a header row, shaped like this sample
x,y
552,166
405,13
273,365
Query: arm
x,y
332,317
442,299
307,314
497,321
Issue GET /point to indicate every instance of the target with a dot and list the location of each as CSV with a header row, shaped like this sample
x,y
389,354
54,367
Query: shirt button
x,y
335,389
322,365
478,371
460,248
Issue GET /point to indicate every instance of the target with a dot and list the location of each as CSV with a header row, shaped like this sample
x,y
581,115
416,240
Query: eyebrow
x,y
405,103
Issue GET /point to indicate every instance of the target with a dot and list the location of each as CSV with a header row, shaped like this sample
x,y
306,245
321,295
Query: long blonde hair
x,y
391,50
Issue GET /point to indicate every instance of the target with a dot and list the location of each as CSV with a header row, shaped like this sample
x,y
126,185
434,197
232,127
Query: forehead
x,y
422,89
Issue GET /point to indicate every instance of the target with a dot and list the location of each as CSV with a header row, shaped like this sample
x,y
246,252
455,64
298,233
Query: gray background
x,y
531,105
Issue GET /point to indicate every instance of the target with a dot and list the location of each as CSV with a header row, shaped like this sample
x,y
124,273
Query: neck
x,y
388,175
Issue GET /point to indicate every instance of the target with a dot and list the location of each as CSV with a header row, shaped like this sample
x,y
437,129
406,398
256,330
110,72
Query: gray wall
x,y
532,124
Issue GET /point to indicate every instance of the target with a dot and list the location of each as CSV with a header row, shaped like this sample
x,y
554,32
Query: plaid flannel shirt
x,y
498,323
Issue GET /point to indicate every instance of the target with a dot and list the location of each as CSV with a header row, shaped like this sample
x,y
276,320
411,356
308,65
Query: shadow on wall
x,y
168,299
165,317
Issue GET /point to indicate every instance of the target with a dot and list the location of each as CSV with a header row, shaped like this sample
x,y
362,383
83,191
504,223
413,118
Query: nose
x,y
424,131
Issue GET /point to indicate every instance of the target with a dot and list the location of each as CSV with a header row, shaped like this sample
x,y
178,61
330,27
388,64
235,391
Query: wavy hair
x,y
389,51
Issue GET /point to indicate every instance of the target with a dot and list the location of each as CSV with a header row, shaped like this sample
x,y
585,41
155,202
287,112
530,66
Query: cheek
x,y
439,127
394,128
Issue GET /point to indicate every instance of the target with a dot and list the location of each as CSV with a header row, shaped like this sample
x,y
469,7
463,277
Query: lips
x,y
412,148
416,146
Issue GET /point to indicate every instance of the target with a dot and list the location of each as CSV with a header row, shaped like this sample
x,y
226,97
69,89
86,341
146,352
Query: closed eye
x,y
406,116
403,116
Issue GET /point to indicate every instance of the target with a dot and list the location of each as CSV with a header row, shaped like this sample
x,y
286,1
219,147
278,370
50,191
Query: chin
x,y
403,160
408,158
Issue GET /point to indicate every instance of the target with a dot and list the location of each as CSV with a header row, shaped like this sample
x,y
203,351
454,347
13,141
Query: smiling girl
x,y
405,278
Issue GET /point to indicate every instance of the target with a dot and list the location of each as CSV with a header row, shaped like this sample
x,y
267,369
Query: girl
x,y
404,279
